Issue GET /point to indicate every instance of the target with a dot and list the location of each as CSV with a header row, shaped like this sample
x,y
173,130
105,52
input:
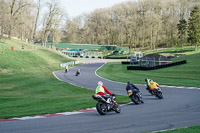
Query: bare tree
x,y
15,8
48,19
145,23
36,19
3,17
56,25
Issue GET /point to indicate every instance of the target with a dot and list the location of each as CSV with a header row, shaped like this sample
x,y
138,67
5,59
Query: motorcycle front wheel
x,y
101,108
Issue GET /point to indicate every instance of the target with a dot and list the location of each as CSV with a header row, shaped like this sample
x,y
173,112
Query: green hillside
x,y
31,59
28,87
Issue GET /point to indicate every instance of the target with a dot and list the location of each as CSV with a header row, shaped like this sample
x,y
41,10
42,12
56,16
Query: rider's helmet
x,y
150,80
100,83
129,82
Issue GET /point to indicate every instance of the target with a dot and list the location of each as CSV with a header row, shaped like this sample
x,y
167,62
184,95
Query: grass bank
x,y
193,129
183,75
174,50
28,87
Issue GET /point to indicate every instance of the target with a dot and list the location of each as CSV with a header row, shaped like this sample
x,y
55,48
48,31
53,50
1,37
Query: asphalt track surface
x,y
179,108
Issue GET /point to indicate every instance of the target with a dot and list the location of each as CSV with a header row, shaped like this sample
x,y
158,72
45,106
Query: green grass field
x,y
28,87
183,75
193,129
187,50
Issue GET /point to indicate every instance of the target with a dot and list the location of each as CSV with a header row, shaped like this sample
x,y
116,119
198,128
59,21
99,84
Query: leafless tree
x,y
145,23
36,19
50,20
15,7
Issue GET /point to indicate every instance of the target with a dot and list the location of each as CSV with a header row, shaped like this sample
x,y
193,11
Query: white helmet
x,y
100,83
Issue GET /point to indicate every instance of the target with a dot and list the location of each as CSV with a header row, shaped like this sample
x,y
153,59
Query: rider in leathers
x,y
101,90
151,84
132,87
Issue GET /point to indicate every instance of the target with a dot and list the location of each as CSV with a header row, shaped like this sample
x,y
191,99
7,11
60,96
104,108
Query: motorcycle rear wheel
x,y
118,108
101,108
159,95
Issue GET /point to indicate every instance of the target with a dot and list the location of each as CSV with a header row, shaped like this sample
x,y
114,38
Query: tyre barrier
x,y
107,57
126,62
156,67
75,56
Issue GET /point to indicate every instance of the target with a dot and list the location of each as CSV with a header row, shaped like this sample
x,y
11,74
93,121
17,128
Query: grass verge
x,y
193,129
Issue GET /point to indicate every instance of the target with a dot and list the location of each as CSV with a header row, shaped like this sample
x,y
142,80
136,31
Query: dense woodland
x,y
143,24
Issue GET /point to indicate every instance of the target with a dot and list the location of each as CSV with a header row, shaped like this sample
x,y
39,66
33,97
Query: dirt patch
x,y
5,71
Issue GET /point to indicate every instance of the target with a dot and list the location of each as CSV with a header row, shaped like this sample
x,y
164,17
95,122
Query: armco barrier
x,y
156,67
69,63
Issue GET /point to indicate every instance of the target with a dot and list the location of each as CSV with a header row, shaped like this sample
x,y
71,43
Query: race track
x,y
179,108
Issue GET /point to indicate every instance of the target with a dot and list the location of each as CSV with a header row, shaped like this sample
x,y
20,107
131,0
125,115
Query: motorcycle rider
x,y
131,86
151,84
78,72
134,89
66,68
148,83
101,90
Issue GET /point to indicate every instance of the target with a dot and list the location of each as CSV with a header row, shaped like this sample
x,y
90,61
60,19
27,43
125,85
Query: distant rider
x,y
78,72
132,87
66,68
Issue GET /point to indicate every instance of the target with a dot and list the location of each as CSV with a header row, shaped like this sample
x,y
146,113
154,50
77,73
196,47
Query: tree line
x,y
141,24
32,21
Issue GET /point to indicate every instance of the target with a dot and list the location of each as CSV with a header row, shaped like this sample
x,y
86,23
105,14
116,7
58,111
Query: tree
x,y
50,20
182,30
15,8
3,17
55,31
194,27
36,19
145,23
